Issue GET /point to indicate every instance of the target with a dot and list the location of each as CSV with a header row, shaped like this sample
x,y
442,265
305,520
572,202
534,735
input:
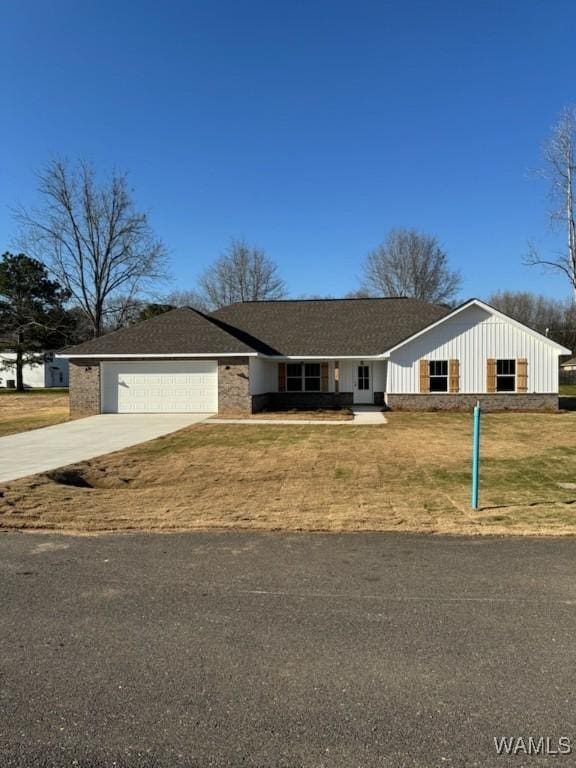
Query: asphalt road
x,y
272,650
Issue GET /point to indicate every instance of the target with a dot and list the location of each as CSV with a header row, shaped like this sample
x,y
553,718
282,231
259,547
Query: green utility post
x,y
476,455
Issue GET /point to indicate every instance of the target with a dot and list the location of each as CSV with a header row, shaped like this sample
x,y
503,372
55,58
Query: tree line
x,y
91,263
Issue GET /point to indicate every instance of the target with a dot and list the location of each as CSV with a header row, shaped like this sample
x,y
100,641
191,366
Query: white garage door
x,y
157,387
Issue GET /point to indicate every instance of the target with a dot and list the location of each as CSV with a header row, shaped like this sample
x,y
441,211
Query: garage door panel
x,y
156,387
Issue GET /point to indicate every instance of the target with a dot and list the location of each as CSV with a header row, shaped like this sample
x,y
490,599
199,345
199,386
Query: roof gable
x,y
489,309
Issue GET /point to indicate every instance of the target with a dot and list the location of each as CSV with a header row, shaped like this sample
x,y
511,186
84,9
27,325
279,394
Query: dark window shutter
x,y
324,377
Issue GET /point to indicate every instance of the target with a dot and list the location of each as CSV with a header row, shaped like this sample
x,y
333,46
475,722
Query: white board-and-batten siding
x,y
472,337
263,376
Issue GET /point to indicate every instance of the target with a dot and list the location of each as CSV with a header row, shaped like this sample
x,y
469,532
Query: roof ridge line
x,y
329,298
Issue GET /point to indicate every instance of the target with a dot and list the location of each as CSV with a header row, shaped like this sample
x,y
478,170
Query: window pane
x,y
294,377
312,384
505,375
439,368
312,369
294,384
506,384
363,377
438,380
438,383
506,367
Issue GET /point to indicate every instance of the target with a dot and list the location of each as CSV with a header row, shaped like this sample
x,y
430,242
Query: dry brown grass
x,y
411,474
30,410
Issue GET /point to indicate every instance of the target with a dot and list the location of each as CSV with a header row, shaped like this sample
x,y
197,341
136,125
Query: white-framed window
x,y
438,375
303,377
505,375
364,377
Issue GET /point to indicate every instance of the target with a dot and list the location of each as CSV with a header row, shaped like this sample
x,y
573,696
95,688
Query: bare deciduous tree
x,y
242,273
315,297
555,318
535,311
410,263
121,311
98,245
186,299
559,171
359,293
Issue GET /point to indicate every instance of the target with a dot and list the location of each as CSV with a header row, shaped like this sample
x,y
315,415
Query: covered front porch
x,y
288,383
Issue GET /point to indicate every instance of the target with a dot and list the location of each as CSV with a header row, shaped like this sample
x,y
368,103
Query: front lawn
x,y
412,474
21,411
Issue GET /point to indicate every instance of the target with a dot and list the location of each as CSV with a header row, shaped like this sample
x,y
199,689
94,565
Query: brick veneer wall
x,y
496,402
234,385
84,387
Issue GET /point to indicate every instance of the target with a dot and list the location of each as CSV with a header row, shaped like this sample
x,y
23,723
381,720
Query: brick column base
x,y
84,388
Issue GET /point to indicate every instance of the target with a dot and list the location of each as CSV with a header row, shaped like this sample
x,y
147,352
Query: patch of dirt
x,y
69,476
86,476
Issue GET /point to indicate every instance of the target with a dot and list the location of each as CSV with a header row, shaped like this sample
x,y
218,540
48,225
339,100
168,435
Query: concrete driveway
x,y
43,449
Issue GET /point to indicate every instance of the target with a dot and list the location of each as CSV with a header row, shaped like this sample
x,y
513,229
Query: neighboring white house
x,y
51,372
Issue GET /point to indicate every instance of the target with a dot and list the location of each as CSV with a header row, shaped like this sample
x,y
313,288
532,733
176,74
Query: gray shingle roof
x,y
179,331
294,327
327,326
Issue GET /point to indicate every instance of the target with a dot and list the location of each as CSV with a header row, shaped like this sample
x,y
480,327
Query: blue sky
x,y
308,127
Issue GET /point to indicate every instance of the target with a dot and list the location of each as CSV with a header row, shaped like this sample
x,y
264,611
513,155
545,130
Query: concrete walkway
x,y
40,450
368,414
364,415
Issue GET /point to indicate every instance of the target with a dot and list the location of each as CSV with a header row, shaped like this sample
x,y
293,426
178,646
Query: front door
x,y
363,384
